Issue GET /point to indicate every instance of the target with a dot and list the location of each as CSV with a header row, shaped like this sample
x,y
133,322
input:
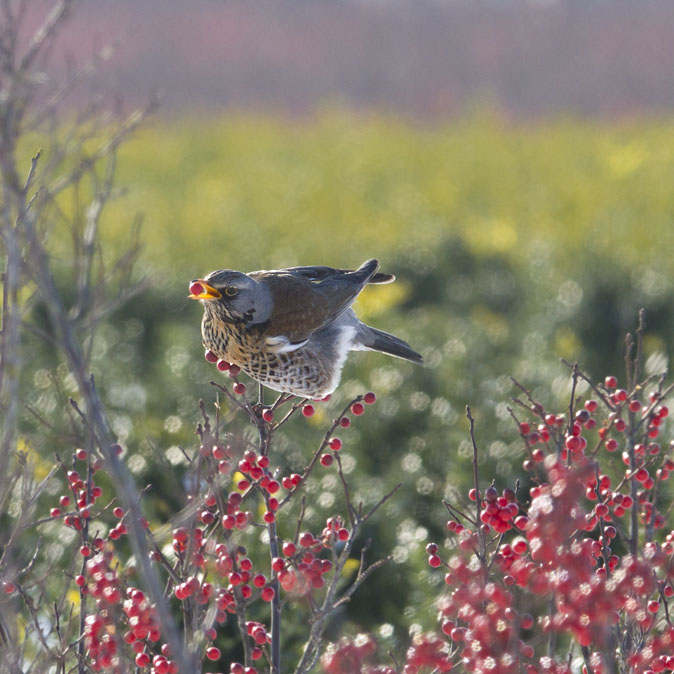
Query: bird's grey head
x,y
233,296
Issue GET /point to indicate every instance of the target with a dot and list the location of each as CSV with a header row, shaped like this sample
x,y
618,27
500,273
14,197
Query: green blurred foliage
x,y
513,246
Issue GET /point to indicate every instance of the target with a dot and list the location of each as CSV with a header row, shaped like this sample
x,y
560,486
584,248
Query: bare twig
x,y
476,481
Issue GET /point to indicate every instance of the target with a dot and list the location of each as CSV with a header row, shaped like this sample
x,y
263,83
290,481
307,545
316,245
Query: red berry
x,y
335,444
326,460
610,382
55,512
213,653
527,621
268,593
161,665
357,409
181,535
308,410
345,422
142,660
81,454
196,288
268,416
210,356
641,475
234,370
611,445
369,398
591,405
239,388
223,365
118,512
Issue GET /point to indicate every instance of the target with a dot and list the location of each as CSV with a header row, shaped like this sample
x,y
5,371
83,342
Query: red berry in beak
x,y
196,288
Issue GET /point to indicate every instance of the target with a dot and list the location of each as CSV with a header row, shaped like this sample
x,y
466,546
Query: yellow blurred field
x,y
253,192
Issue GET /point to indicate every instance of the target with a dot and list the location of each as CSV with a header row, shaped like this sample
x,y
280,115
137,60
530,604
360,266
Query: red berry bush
x,y
240,557
569,567
573,571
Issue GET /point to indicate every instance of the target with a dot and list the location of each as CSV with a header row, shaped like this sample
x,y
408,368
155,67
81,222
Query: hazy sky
x,y
588,57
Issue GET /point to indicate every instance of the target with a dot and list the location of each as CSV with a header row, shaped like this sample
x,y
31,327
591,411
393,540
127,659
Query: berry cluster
x,y
579,557
351,655
498,512
428,652
569,549
211,574
209,571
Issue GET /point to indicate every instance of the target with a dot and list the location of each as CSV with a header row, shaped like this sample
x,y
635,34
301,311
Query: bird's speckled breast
x,y
305,372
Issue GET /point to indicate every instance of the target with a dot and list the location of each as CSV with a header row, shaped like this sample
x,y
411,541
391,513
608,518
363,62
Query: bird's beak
x,y
200,290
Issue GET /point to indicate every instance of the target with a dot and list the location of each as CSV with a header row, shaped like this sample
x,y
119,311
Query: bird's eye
x,y
230,291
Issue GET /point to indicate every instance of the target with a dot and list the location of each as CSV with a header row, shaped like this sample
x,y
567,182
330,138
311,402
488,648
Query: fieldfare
x,y
291,329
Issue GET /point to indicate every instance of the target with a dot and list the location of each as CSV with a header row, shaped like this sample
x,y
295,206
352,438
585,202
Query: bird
x,y
292,329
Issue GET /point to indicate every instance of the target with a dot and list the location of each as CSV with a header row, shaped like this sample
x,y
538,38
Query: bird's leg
x,y
258,407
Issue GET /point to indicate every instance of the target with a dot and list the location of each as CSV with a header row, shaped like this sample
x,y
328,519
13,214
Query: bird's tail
x,y
368,270
378,340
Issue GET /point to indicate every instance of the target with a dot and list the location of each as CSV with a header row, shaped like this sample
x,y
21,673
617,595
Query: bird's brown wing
x,y
300,307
